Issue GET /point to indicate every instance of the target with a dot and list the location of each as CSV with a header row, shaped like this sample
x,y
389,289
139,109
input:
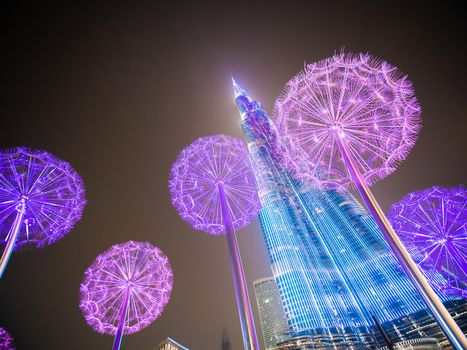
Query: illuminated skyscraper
x,y
332,265
271,313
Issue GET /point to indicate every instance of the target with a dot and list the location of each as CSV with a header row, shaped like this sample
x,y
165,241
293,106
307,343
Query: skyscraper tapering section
x,y
331,263
271,312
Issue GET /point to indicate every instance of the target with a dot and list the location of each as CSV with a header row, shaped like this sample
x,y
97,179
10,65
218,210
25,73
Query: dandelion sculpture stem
x,y
214,189
241,290
12,237
41,198
121,322
349,120
447,323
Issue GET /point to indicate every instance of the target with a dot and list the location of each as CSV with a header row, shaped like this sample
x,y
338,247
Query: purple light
x,y
50,190
194,180
359,98
213,188
432,225
136,268
6,341
350,119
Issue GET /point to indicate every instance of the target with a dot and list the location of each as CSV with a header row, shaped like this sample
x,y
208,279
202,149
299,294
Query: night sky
x,y
118,91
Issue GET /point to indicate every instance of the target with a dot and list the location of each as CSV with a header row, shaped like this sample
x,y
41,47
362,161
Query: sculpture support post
x,y
250,339
121,322
442,316
13,236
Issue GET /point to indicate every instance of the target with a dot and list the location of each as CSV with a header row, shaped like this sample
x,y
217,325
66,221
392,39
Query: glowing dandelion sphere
x,y
6,341
50,190
137,268
432,224
360,98
194,180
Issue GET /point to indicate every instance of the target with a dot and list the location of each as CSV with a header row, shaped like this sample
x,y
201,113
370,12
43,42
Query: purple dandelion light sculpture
x,y
6,341
351,119
432,224
125,289
356,100
213,188
41,198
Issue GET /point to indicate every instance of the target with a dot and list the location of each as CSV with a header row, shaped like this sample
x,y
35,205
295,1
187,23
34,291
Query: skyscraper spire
x,y
244,103
238,90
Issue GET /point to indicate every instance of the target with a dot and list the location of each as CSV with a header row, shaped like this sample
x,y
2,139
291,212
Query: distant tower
x,y
225,345
271,312
331,263
170,344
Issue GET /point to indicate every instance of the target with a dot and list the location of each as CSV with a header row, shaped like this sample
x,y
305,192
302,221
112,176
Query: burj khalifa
x,y
335,272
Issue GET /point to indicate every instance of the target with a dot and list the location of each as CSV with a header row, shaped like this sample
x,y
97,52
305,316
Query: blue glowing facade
x,y
331,263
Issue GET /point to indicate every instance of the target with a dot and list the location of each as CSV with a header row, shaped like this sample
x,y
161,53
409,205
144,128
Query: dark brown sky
x,y
119,90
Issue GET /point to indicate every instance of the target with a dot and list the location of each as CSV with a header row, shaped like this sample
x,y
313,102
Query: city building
x,y
271,313
306,343
225,341
170,344
333,268
299,343
414,344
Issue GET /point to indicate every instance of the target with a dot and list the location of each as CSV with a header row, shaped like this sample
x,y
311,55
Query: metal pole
x,y
13,236
442,316
250,339
388,341
121,322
